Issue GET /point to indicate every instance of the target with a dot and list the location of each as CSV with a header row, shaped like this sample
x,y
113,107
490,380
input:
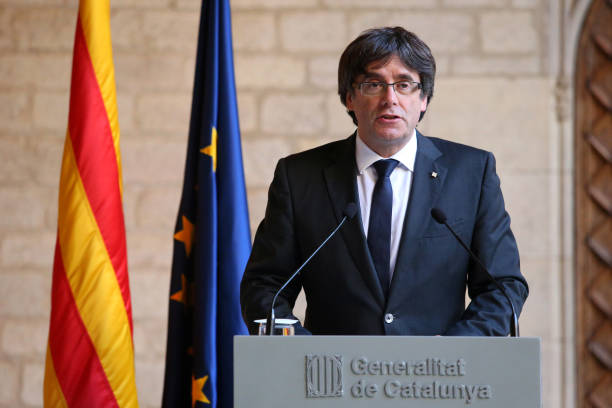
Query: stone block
x,y
247,111
541,313
7,37
424,125
379,4
163,111
38,287
562,245
554,356
260,158
149,382
532,4
194,5
495,65
457,37
21,338
323,72
25,206
442,65
338,120
272,4
51,211
150,293
269,72
15,161
27,249
131,196
516,112
313,31
51,110
150,338
151,72
127,30
527,198
146,4
15,110
157,207
171,31
153,163
258,199
310,142
150,249
286,114
125,110
253,31
45,160
32,2
9,385
506,32
45,29
32,379
473,3
38,70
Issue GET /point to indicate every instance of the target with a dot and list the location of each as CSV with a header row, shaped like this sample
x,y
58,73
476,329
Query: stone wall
x,y
494,90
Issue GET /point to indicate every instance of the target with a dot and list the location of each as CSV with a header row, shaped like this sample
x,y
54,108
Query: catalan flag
x,y
212,238
90,353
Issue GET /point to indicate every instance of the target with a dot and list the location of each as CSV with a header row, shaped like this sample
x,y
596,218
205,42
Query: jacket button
x,y
389,318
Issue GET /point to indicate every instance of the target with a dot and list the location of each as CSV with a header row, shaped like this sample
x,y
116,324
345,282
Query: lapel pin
x,y
434,174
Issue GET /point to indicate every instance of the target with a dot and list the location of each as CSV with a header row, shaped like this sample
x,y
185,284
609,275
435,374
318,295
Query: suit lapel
x,y
340,178
428,179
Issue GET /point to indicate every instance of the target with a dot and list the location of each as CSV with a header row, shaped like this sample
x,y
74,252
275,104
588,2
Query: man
x,y
391,269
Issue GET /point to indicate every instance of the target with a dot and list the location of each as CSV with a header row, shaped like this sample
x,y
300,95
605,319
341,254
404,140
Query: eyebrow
x,y
374,75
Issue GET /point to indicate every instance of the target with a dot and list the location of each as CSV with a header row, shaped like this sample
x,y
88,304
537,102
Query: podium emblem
x,y
324,375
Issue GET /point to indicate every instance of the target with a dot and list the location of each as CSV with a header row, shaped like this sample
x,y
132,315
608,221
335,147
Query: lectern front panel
x,y
386,371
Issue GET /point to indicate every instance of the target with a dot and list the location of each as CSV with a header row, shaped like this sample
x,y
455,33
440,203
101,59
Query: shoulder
x,y
324,155
453,152
448,147
328,149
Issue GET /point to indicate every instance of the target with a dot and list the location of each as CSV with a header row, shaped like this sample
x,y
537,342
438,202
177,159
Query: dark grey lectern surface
x,y
373,371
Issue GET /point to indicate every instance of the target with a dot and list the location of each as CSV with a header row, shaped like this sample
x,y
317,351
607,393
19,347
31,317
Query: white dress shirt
x,y
401,181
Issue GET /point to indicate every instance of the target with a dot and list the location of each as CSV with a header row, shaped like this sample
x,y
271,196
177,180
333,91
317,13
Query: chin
x,y
392,137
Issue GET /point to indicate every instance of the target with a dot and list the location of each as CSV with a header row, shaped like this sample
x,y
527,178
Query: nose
x,y
389,96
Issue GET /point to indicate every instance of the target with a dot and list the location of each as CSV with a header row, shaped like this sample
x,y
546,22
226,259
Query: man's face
x,y
386,121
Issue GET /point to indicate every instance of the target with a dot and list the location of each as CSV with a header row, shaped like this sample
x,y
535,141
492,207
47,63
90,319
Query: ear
x,y
424,104
349,101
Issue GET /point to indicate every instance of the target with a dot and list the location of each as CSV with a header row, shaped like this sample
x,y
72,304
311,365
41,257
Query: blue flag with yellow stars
x,y
212,238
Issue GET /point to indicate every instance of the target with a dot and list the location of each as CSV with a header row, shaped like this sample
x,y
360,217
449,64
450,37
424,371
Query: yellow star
x,y
211,149
181,295
185,235
197,384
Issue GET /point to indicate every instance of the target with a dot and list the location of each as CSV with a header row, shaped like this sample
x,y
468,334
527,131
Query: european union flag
x,y
212,238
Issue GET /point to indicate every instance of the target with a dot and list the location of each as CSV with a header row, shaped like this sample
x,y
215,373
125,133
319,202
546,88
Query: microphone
x,y
440,218
349,212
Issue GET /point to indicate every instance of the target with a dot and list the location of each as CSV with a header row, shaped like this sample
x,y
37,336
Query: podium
x,y
386,371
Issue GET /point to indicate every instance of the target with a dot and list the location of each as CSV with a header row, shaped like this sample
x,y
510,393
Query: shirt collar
x,y
365,156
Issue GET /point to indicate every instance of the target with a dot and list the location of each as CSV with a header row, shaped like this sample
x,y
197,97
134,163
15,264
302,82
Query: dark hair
x,y
381,44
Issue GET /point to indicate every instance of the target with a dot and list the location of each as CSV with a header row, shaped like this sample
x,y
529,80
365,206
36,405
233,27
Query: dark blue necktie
x,y
379,229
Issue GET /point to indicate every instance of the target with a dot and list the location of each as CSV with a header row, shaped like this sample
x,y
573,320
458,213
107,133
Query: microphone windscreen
x,y
350,210
438,215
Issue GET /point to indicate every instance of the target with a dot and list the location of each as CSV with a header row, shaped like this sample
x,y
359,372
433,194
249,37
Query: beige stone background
x,y
502,85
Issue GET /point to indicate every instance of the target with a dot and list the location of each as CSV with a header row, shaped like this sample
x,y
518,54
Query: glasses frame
x,y
419,86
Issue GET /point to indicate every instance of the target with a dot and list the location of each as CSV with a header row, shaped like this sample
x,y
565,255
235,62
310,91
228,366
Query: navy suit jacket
x,y
306,201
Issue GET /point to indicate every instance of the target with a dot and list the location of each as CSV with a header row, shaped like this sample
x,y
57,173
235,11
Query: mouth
x,y
388,118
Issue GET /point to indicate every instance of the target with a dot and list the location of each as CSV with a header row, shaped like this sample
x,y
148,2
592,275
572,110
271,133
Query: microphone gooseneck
x,y
440,218
349,212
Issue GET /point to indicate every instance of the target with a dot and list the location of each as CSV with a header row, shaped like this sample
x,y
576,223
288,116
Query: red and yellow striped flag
x,y
90,353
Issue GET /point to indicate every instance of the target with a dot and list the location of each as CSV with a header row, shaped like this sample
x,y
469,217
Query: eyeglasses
x,y
378,88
